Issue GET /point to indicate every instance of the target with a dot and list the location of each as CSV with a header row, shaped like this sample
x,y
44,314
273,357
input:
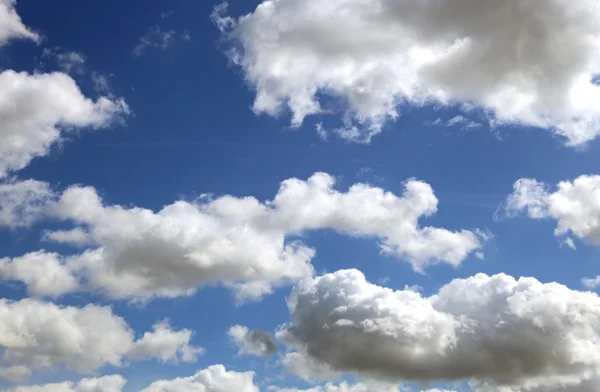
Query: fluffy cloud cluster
x,y
239,242
574,205
11,26
113,383
39,110
519,334
213,379
258,343
36,334
517,63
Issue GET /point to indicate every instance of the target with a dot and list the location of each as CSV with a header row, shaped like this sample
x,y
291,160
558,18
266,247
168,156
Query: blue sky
x,y
182,119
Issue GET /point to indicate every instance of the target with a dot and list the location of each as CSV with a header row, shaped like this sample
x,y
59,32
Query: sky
x,y
299,196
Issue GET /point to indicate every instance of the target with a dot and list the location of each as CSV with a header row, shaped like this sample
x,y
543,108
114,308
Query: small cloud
x,y
568,242
68,62
321,131
591,283
186,36
101,82
154,38
414,288
384,281
166,14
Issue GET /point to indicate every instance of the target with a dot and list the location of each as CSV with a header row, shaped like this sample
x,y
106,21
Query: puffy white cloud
x,y
40,110
517,63
11,25
368,211
114,383
519,334
212,379
22,203
36,334
575,205
257,342
44,273
241,242
591,283
165,344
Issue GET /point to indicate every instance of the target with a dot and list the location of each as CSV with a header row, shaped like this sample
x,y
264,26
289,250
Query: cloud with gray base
x,y
258,343
519,64
504,333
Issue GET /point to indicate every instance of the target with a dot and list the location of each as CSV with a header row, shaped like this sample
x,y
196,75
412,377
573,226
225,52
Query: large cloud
x,y
11,26
212,379
113,383
519,334
241,242
520,64
40,110
36,334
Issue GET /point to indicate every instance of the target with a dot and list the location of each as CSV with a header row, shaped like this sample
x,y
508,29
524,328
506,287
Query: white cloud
x,y
36,334
165,344
258,343
40,110
242,243
517,63
591,283
520,333
11,26
154,38
114,383
22,203
574,205
212,379
43,273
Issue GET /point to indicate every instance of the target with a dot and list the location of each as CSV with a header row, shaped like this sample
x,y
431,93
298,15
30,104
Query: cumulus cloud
x,y
376,55
44,273
257,342
165,344
11,26
35,334
242,243
212,379
40,110
519,334
573,204
114,383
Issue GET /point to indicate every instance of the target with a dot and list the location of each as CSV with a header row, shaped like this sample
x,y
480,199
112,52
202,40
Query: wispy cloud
x,y
155,37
